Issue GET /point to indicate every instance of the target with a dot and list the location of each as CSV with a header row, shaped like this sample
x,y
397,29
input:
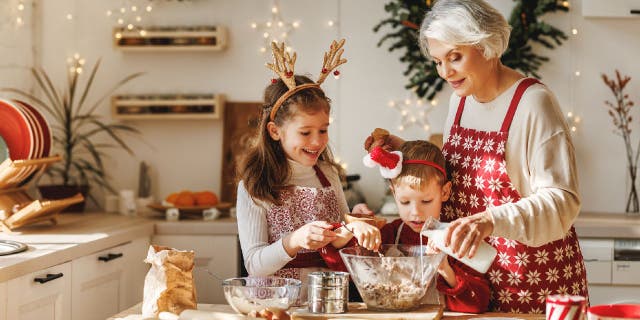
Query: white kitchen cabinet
x,y
216,253
3,300
41,295
610,279
136,270
101,282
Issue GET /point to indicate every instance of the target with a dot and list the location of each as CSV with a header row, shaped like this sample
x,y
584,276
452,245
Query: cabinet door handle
x,y
49,277
110,257
634,11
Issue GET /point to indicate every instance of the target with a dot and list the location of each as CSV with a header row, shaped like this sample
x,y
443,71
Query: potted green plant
x,y
80,135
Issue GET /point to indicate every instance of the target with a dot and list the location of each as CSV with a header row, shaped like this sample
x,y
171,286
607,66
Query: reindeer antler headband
x,y
284,64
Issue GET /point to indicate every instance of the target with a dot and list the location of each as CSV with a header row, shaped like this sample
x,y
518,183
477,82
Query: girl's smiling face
x,y
303,137
416,205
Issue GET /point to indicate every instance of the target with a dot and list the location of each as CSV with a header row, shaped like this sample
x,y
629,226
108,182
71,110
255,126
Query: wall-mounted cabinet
x,y
611,9
173,106
194,38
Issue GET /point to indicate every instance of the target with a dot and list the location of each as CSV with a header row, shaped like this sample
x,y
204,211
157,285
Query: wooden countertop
x,y
79,234
224,311
607,225
75,235
597,225
220,226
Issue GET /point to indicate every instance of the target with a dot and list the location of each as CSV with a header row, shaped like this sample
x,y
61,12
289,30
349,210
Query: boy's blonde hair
x,y
419,176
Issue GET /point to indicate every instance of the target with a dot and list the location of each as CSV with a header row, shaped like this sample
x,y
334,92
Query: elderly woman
x,y
511,159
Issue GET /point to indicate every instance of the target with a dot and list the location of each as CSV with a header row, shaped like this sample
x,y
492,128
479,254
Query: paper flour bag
x,y
169,284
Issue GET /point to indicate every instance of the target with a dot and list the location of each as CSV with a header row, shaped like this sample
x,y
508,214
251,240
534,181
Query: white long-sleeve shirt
x,y
260,257
540,162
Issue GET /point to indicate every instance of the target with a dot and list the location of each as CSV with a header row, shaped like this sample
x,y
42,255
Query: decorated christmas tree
x,y
527,28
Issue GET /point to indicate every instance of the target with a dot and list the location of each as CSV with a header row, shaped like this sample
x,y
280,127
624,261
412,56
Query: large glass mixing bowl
x,y
397,280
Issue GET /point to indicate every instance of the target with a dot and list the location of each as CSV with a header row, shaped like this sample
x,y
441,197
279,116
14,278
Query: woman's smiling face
x,y
303,137
463,67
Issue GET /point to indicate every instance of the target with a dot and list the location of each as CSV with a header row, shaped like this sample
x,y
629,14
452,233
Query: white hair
x,y
466,22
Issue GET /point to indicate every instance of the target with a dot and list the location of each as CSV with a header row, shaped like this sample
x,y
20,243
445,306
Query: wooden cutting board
x,y
359,311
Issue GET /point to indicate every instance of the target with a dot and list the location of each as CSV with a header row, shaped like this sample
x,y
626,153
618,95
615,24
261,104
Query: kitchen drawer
x,y
98,284
598,272
41,295
626,272
596,249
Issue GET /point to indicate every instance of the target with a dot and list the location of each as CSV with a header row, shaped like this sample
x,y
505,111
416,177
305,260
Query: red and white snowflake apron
x,y
521,276
301,205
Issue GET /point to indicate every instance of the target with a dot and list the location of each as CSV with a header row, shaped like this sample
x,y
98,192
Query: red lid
x,y
623,311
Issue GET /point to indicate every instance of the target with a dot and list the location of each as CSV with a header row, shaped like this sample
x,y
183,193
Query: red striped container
x,y
565,307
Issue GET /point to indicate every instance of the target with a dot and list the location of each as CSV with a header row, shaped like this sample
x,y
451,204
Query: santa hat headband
x,y
390,162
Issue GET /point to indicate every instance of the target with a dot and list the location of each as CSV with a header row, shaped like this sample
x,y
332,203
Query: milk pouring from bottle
x,y
481,261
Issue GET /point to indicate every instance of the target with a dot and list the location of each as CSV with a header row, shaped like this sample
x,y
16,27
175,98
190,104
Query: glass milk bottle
x,y
481,261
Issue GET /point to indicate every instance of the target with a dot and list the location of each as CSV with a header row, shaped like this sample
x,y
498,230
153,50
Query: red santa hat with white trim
x,y
390,162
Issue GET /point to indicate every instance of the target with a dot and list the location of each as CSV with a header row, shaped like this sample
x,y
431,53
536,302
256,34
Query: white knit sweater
x,y
540,162
260,257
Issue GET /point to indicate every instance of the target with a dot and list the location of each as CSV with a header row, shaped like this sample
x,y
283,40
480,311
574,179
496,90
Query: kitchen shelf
x,y
167,106
179,38
611,9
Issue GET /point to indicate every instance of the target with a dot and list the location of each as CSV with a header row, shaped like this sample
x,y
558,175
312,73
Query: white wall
x,y
186,154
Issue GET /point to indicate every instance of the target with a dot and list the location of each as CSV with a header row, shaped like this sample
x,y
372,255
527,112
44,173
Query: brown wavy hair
x,y
419,176
264,168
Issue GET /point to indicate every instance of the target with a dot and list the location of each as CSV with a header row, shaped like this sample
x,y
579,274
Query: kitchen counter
x,y
224,225
74,236
79,234
597,225
224,311
607,225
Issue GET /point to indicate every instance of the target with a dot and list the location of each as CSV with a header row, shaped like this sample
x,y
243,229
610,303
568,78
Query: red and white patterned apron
x,y
299,206
521,276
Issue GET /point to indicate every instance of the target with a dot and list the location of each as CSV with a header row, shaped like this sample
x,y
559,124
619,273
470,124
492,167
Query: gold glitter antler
x,y
332,60
283,64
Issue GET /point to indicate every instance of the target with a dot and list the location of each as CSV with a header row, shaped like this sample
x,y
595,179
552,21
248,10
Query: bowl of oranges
x,y
188,201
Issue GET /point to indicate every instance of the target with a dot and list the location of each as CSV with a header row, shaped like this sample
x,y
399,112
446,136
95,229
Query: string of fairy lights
x,y
414,112
573,117
278,29
130,16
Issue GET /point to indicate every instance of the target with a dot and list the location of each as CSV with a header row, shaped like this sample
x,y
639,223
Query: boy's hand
x,y
367,235
444,269
388,143
362,208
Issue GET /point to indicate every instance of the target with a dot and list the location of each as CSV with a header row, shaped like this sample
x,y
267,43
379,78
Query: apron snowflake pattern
x,y
302,205
521,276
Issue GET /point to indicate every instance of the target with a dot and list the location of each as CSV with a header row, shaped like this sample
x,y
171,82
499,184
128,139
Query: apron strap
x,y
524,84
399,232
459,112
323,179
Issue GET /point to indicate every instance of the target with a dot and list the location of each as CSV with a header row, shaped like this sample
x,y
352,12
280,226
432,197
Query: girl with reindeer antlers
x,y
290,201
